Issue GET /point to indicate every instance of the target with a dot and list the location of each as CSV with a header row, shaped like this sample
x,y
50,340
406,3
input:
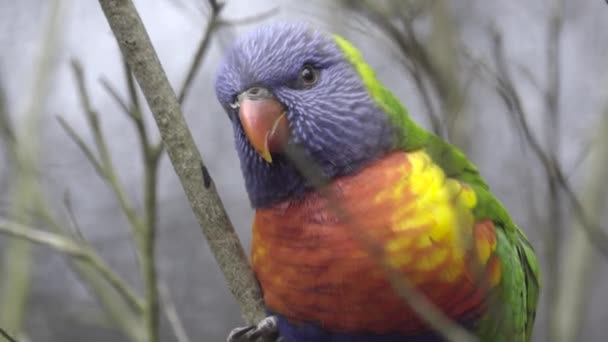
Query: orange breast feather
x,y
313,268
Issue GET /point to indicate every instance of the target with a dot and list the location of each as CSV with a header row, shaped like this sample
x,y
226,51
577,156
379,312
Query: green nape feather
x,y
520,283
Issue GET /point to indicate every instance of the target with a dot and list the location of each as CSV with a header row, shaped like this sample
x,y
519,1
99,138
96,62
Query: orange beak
x,y
265,124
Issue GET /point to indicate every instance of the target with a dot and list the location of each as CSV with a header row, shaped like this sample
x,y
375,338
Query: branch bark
x,y
137,49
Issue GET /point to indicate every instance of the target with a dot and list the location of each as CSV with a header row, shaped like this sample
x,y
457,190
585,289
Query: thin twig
x,y
172,316
73,249
6,127
553,238
579,262
25,186
8,337
114,94
512,100
213,23
202,195
201,51
104,163
67,203
436,125
135,106
122,312
249,19
429,75
71,132
151,155
148,234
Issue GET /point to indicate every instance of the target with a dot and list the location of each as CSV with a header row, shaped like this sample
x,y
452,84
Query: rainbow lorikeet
x,y
389,184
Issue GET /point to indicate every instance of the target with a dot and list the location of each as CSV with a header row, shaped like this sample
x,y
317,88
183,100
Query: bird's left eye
x,y
309,76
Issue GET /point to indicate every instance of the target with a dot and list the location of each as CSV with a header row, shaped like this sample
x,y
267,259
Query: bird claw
x,y
266,329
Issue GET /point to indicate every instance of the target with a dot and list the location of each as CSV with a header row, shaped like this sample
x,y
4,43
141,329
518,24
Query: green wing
x,y
514,302
513,305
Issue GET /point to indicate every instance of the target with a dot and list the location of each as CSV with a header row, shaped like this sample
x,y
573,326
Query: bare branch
x,y
554,238
434,73
249,19
17,257
83,146
114,94
151,154
8,337
512,100
73,249
6,128
104,163
201,51
135,106
213,23
67,202
140,55
121,311
172,316
578,265
142,228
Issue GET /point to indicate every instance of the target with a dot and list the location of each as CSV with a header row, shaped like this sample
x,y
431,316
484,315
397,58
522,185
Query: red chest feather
x,y
313,268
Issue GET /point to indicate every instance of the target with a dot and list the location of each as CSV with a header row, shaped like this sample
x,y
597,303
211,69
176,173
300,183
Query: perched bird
x,y
350,194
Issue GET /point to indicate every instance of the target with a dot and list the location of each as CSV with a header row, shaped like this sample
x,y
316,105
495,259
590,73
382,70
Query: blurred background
x,y
519,85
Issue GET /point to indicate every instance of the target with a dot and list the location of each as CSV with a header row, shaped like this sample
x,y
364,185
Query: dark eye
x,y
308,77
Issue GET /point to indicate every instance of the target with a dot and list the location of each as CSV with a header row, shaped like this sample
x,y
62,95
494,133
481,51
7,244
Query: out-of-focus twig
x,y
513,102
201,51
72,248
214,22
103,163
414,56
433,62
73,222
553,237
196,181
143,228
172,316
248,19
6,127
147,239
576,267
24,156
8,337
119,302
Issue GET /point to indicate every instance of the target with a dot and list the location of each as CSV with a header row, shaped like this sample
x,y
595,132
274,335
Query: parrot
x,y
349,193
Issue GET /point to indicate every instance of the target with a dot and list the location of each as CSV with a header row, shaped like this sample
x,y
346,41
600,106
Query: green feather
x,y
512,318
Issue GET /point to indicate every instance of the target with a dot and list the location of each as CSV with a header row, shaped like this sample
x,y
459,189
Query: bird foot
x,y
266,330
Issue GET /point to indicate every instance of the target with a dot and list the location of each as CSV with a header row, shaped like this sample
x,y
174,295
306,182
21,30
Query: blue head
x,y
291,85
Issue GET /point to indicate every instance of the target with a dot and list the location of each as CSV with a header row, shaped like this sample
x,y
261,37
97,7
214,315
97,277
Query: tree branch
x,y
73,249
8,337
577,265
513,102
201,51
249,19
25,186
187,162
172,316
6,128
